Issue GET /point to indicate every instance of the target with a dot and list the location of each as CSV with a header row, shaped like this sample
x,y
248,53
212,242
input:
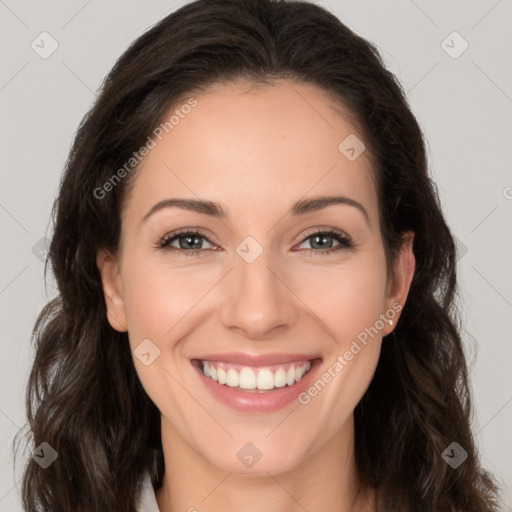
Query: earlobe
x,y
400,283
112,290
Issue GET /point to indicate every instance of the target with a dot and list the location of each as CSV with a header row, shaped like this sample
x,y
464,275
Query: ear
x,y
400,282
112,289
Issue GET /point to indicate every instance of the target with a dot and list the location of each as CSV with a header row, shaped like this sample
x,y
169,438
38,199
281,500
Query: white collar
x,y
147,501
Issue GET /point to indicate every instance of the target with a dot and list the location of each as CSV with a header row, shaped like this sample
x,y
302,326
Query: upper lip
x,y
256,360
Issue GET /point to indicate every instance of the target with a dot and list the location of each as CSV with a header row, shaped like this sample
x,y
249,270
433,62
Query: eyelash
x,y
344,241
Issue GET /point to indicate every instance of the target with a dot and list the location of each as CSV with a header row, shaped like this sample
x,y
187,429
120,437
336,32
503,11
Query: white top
x,y
147,502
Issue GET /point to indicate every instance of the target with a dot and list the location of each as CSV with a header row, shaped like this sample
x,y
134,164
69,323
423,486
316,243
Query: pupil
x,y
195,241
321,238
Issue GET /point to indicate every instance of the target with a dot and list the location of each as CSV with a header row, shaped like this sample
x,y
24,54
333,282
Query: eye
x,y
189,242
322,240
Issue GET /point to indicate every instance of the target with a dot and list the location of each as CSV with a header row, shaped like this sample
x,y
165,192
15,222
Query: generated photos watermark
x,y
343,360
137,157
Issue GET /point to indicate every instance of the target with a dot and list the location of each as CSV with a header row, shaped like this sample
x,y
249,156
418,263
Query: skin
x,y
255,152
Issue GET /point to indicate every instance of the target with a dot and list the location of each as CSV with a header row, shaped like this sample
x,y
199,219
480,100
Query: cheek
x,y
158,297
348,298
349,304
159,304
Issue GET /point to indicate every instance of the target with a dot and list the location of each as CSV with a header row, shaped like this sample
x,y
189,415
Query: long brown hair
x,y
84,397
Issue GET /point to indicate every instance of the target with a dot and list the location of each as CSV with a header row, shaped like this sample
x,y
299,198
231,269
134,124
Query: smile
x,y
256,384
255,379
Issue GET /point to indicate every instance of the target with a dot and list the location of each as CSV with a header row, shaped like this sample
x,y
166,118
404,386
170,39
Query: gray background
x,y
464,106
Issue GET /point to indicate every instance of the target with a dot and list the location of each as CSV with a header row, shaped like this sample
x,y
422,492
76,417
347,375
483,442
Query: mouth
x,y
258,384
253,379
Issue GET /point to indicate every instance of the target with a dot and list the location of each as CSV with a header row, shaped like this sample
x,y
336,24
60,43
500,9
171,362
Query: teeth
x,y
232,378
250,378
221,376
265,379
290,376
247,379
280,378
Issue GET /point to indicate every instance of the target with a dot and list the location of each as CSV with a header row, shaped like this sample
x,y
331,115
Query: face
x,y
259,289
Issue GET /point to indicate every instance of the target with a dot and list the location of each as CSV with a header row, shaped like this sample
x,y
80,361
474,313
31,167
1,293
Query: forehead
x,y
252,147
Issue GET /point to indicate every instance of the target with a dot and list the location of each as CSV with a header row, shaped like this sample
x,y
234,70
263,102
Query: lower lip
x,y
268,401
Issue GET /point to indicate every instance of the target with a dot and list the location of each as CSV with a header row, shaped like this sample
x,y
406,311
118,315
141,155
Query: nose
x,y
257,298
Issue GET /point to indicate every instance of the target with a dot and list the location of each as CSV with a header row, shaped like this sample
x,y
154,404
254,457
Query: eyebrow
x,y
214,209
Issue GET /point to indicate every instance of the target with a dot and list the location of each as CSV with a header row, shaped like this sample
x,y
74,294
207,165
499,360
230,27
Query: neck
x,y
325,480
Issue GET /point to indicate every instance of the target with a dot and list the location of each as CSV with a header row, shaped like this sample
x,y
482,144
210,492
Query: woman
x,y
259,372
